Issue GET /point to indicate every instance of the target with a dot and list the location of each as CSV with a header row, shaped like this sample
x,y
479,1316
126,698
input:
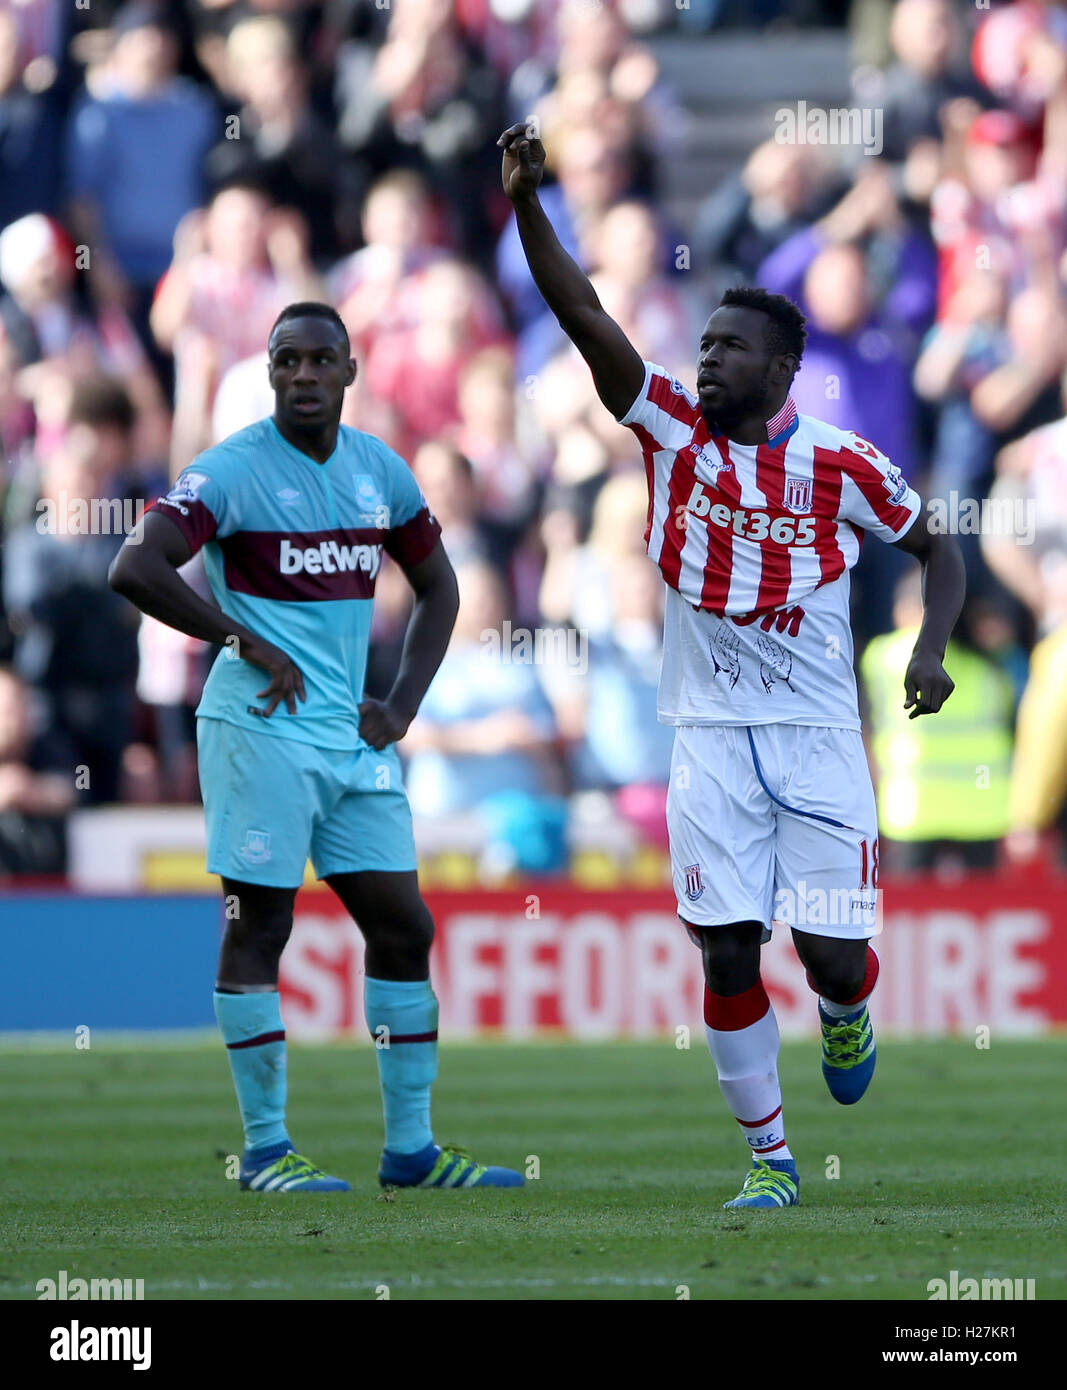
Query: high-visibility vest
x,y
1039,772
944,775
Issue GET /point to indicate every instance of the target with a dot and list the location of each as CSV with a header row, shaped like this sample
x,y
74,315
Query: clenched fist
x,y
524,160
381,723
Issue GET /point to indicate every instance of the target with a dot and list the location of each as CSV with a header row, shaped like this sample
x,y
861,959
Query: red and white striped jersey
x,y
754,542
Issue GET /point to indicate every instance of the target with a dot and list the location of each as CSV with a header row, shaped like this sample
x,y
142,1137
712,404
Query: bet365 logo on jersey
x,y
744,522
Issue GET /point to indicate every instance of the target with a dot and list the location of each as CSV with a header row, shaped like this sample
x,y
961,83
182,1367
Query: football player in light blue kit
x,y
294,514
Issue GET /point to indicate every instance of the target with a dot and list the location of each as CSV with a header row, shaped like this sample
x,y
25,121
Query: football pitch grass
x,y
115,1168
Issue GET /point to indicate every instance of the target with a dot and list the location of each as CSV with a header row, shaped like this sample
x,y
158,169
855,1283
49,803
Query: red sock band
x,y
870,977
727,1013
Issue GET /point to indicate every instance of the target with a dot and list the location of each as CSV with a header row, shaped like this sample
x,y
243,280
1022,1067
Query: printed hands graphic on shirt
x,y
724,654
776,664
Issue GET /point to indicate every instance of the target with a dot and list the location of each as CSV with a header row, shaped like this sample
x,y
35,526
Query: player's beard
x,y
752,403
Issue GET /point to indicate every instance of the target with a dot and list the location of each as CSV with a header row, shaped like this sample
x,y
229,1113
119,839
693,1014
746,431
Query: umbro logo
x,y
288,495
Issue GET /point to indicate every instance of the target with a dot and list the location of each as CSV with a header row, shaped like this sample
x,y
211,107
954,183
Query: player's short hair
x,y
785,323
310,309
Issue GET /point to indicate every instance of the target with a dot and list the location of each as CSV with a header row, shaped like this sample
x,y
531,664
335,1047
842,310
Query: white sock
x,y
839,1010
744,1048
866,989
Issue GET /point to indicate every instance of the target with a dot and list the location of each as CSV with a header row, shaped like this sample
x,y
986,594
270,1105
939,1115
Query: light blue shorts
x,y
272,803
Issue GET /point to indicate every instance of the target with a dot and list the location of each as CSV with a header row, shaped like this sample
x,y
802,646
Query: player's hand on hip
x,y
286,679
381,723
524,159
927,684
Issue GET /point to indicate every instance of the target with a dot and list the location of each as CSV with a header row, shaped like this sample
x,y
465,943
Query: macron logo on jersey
x,y
328,558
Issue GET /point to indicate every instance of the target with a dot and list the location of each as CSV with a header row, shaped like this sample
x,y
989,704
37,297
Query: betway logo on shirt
x,y
752,525
328,557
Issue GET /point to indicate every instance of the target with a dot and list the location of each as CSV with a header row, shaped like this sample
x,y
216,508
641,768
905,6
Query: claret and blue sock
x,y
402,1018
251,1024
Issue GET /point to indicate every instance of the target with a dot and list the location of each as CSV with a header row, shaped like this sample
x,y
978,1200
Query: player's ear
x,y
785,367
350,374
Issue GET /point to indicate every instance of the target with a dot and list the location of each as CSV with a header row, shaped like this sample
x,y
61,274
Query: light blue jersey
x,y
292,549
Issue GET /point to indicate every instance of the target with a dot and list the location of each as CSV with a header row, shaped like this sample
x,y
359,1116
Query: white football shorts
x,y
774,823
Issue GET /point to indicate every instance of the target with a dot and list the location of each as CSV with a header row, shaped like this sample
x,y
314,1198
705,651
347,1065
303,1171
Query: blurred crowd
x,y
172,174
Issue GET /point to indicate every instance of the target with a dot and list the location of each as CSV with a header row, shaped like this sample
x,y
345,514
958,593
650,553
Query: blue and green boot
x,y
770,1183
447,1166
848,1054
281,1169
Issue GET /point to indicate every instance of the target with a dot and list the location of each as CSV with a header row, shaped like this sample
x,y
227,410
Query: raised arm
x,y
616,366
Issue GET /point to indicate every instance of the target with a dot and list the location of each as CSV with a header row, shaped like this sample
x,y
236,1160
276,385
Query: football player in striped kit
x,y
755,516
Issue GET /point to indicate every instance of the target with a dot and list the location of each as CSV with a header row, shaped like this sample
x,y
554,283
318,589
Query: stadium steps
x,y
729,86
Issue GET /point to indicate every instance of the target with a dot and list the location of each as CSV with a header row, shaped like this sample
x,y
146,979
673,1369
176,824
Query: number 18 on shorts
x,y
774,822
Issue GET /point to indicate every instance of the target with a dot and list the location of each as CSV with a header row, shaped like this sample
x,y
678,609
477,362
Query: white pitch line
x,y
205,1285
